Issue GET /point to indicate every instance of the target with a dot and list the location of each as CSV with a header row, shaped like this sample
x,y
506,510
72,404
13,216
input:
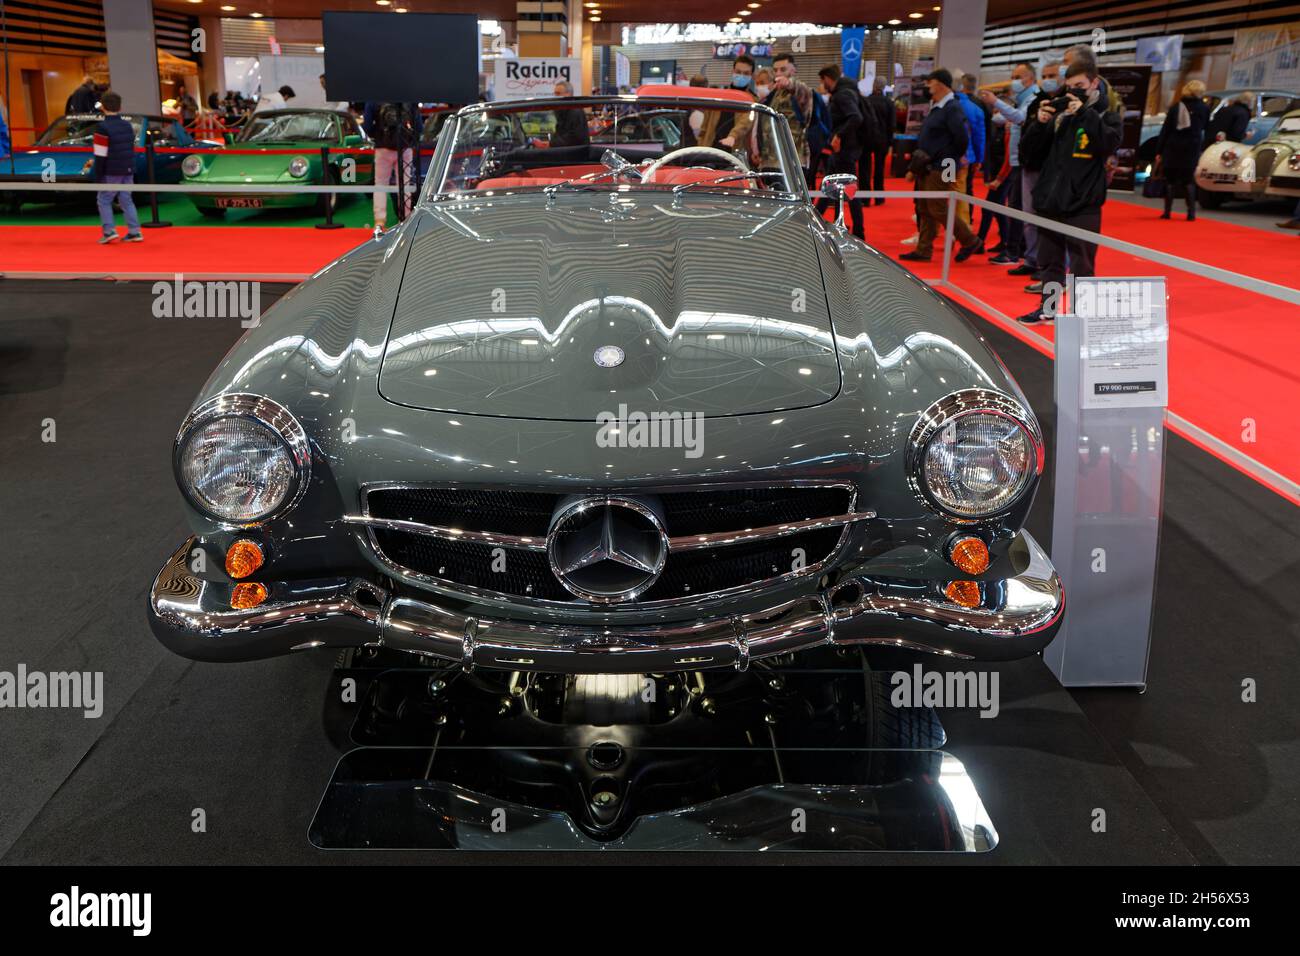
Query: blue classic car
x,y
57,156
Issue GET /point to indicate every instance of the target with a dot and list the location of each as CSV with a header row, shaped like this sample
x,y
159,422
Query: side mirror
x,y
837,186
354,139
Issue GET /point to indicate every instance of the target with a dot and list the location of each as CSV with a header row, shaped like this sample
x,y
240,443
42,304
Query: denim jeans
x,y
1028,180
104,199
987,219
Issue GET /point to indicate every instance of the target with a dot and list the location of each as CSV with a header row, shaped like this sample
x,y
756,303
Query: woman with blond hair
x,y
1180,144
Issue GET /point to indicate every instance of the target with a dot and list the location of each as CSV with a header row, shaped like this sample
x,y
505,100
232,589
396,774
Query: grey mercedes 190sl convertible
x,y
605,410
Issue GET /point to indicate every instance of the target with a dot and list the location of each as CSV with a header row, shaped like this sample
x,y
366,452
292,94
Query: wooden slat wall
x,y
1207,26
76,28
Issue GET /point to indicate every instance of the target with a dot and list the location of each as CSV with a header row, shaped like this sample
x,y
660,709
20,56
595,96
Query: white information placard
x,y
535,76
1123,339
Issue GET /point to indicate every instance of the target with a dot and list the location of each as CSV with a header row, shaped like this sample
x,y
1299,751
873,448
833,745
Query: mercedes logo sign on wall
x,y
607,549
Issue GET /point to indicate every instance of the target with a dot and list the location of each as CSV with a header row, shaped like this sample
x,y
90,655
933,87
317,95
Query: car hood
x,y
712,304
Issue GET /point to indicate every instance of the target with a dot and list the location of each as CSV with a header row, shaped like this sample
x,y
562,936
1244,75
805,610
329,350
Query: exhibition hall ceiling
x,y
626,11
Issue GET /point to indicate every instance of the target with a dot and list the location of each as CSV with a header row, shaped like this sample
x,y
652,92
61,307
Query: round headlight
x,y
1228,157
1294,161
241,459
298,167
974,454
192,165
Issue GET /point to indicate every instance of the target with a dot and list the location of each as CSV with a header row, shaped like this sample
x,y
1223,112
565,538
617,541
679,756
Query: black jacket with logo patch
x,y
1073,150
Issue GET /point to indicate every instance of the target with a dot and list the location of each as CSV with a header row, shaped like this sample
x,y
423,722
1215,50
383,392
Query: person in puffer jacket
x,y
1074,136
114,148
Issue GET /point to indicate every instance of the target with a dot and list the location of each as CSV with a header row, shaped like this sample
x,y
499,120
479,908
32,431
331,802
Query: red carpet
x,y
1234,355
247,252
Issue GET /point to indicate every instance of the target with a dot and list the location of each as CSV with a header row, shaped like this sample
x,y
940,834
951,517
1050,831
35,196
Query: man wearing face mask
x,y
1075,134
1024,87
1049,87
723,129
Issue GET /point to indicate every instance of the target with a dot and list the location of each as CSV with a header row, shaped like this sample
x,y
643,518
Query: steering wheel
x,y
648,173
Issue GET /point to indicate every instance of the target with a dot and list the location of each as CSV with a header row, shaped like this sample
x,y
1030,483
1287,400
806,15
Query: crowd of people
x,y
1044,150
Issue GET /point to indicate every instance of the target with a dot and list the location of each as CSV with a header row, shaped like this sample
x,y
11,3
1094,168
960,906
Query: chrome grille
x,y
1264,160
721,539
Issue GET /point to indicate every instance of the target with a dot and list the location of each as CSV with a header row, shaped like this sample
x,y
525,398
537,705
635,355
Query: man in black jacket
x,y
1073,137
113,145
881,109
939,156
1231,119
846,134
82,99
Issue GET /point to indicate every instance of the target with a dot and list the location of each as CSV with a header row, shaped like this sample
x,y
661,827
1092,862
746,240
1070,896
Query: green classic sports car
x,y
276,132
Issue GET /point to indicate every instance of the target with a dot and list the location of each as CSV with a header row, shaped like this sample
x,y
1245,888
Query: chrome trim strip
x,y
449,534
694,542
688,542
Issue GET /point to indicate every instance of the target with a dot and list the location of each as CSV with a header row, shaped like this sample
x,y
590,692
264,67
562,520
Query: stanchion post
x,y
329,222
154,222
947,238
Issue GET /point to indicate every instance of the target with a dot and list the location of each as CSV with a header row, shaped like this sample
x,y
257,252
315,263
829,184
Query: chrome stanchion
x,y
329,222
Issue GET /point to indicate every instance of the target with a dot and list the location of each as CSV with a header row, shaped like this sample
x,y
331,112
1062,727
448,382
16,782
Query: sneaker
x,y
1289,224
1003,260
1032,318
1022,270
965,252
1035,288
913,257
107,237
133,237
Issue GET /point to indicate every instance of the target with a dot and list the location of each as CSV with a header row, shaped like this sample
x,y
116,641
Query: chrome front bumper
x,y
192,617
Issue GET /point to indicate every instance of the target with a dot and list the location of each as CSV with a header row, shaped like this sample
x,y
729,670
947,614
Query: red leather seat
x,y
515,182
676,175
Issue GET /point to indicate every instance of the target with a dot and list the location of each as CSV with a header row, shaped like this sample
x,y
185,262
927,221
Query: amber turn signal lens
x,y
964,593
970,554
247,595
243,558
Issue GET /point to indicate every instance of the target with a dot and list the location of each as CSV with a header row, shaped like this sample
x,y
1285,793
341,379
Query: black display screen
x,y
401,57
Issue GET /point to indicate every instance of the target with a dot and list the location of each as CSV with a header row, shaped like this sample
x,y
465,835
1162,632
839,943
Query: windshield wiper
x,y
764,174
615,165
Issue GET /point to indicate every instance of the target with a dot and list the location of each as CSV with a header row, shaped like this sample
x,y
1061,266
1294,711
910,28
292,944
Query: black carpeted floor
x,y
1185,772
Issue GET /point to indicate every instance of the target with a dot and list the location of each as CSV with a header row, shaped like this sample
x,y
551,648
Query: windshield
x,y
1290,124
709,146
79,131
289,127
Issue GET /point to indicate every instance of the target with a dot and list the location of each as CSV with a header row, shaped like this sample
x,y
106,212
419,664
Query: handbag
x,y
1156,186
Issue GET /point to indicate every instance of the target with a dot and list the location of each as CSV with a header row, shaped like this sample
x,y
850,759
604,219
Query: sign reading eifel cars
x,y
517,78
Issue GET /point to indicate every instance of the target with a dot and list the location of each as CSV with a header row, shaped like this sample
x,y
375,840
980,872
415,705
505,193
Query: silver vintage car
x,y
592,411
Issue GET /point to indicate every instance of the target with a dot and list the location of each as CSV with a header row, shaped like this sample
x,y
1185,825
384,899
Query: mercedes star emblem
x,y
607,549
609,356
